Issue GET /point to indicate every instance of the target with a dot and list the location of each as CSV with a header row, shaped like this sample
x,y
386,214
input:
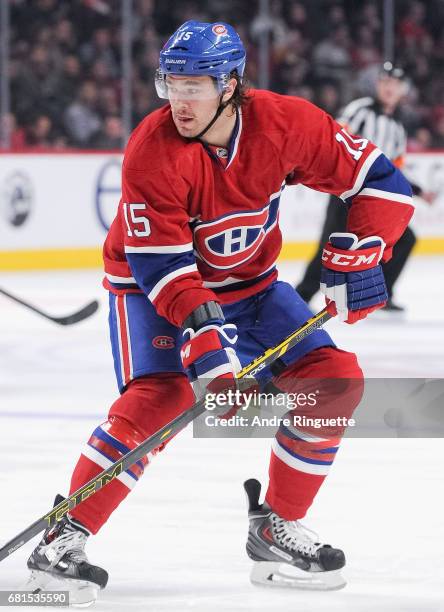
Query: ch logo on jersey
x,y
163,342
232,240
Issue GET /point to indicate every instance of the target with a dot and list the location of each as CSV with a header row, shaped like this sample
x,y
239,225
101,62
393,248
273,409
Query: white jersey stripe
x,y
119,338
361,175
122,349
123,280
308,437
168,278
170,248
230,280
387,195
130,356
298,464
97,457
236,142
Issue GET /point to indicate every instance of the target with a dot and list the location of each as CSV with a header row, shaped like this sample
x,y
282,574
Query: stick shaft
x,y
164,434
81,314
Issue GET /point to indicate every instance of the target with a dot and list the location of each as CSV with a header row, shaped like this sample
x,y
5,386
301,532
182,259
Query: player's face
x,y
194,101
390,91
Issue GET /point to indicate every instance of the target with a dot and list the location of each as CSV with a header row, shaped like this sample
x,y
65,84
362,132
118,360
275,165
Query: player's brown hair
x,y
240,96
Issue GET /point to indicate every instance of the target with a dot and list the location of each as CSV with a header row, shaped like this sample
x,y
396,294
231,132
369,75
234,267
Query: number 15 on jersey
x,y
354,146
137,225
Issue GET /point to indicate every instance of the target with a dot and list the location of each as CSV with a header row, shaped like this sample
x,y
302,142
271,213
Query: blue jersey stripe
x,y
150,268
102,452
324,451
383,175
301,458
99,433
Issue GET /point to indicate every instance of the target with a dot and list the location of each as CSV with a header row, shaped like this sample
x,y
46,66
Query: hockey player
x,y
190,264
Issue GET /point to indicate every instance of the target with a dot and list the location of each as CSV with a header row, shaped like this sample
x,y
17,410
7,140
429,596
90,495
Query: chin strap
x,y
222,106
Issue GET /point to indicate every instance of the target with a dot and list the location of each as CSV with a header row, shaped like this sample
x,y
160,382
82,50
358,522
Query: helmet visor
x,y
182,87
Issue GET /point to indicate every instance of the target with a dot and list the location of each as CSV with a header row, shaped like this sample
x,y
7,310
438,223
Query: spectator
x,y
55,46
108,101
370,17
10,134
304,91
100,49
145,101
297,19
330,18
39,133
36,85
420,141
100,73
328,98
272,25
81,119
69,80
110,136
64,38
365,52
331,56
412,27
438,135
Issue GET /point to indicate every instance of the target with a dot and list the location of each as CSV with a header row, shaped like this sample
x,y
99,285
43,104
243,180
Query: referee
x,y
377,120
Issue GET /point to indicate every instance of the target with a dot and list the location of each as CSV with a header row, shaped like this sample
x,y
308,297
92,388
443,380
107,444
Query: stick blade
x,y
78,316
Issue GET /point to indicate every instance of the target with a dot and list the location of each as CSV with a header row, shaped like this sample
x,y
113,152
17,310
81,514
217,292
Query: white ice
x,y
178,542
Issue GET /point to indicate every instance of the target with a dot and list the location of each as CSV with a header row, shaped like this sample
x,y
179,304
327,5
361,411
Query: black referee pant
x,y
336,221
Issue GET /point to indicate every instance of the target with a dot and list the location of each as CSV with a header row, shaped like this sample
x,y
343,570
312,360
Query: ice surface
x,y
178,542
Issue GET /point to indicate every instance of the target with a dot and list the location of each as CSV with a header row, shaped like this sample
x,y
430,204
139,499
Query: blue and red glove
x,y
209,358
351,278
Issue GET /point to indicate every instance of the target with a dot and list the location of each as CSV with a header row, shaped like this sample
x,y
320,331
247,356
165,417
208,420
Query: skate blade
x,y
281,575
37,582
82,593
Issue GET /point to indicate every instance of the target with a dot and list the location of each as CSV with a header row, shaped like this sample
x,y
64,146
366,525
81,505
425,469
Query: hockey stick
x,y
76,317
168,431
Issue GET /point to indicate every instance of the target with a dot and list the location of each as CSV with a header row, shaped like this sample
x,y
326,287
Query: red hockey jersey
x,y
192,226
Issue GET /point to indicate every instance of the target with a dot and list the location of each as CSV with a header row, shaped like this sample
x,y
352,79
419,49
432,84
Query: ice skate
x,y
286,553
59,562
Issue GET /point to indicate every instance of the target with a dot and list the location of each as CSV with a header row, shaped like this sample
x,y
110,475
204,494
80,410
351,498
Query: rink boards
x,y
55,209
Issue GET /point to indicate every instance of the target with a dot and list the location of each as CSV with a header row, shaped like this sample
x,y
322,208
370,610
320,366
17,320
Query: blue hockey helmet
x,y
201,49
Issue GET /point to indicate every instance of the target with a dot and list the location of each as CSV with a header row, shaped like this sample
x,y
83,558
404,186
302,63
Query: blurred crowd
x,y
65,61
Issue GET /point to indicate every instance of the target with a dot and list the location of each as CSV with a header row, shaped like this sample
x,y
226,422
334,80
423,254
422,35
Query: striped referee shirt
x,y
365,117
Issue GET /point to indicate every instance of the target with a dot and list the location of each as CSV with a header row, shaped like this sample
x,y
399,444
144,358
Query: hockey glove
x,y
351,277
209,358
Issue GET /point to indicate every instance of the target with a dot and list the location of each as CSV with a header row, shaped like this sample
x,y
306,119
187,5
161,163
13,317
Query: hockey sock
x,y
147,404
302,454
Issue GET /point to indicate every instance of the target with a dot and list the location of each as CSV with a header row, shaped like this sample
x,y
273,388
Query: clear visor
x,y
175,87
